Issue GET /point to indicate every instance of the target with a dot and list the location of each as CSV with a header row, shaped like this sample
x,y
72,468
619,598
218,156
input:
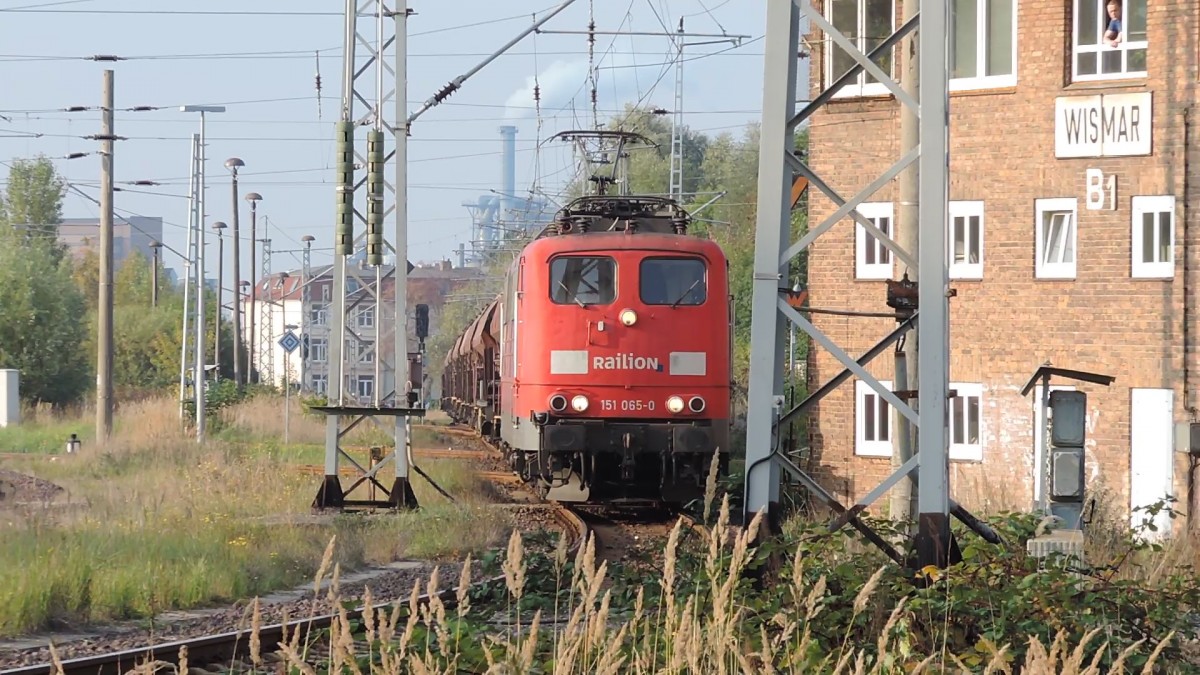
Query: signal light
x,y
696,405
343,159
422,321
558,403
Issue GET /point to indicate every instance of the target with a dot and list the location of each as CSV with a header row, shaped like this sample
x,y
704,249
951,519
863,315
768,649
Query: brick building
x,y
1073,163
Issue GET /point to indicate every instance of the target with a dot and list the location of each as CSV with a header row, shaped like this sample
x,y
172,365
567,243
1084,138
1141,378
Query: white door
x,y
1151,468
1039,430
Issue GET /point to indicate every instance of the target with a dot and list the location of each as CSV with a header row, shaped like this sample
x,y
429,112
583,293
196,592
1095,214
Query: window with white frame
x,y
318,315
326,292
966,240
1108,39
873,260
320,384
983,51
966,422
866,24
319,350
364,386
872,421
366,352
366,317
1057,237
1154,237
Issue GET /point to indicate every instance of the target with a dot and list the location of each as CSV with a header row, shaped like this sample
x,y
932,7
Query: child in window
x,y
1113,34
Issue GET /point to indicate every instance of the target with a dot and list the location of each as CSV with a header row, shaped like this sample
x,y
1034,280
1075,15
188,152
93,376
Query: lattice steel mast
x,y
778,164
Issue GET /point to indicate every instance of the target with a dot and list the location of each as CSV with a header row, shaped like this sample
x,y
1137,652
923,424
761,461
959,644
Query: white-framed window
x,y
873,260
1057,237
966,240
320,384
1093,54
326,292
872,421
366,352
867,24
366,317
983,51
1153,237
966,422
318,315
319,350
364,386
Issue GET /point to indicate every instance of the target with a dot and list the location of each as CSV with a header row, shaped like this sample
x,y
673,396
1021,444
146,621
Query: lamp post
x,y
219,226
156,250
233,163
200,350
254,198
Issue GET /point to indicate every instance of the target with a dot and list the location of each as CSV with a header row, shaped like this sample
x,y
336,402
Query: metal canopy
x,y
1046,371
779,165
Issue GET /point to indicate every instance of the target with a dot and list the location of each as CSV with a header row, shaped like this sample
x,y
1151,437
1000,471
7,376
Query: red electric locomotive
x,y
603,369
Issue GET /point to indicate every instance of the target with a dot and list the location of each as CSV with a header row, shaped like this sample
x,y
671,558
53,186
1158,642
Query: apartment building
x,y
1075,174
280,301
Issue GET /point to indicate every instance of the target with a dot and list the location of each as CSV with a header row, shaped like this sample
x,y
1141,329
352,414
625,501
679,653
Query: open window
x,y
1108,39
872,421
983,52
673,281
583,280
1153,237
1056,238
966,240
867,24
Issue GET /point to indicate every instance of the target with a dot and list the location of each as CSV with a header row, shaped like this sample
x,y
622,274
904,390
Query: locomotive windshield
x,y
673,281
583,280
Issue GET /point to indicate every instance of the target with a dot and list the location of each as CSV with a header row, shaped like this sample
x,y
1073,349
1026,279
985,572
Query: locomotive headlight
x,y
675,404
628,317
579,403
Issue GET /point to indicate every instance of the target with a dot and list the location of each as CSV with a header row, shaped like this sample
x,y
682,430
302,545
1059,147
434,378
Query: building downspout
x,y
1193,459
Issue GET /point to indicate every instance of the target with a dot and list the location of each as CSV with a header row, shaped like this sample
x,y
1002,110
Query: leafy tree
x,y
44,327
85,272
34,200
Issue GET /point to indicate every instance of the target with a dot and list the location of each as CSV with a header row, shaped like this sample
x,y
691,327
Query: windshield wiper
x,y
685,294
572,296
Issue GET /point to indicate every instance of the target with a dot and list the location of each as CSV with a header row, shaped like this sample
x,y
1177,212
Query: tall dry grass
x,y
156,521
692,630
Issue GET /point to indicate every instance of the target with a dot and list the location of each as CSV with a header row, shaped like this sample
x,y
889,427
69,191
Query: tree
x,y
34,199
44,323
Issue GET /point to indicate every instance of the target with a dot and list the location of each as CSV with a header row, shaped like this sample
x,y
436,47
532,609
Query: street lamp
x,y
219,226
254,198
233,163
199,378
155,248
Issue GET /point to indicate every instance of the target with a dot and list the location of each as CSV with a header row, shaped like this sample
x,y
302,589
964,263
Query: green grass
x,y
45,438
159,523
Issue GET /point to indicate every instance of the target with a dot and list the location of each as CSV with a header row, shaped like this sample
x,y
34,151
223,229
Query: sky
x,y
259,58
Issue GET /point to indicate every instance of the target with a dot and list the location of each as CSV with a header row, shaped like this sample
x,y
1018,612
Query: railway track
x,y
230,651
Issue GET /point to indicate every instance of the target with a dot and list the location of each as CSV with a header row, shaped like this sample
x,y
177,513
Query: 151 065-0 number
x,y
626,405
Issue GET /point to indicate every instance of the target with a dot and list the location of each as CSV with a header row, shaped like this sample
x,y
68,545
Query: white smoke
x,y
562,81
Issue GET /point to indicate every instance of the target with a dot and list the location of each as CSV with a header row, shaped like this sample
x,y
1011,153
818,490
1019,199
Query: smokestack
x,y
508,171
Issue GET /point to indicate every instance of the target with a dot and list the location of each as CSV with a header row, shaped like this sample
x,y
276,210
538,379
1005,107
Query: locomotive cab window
x,y
583,280
674,281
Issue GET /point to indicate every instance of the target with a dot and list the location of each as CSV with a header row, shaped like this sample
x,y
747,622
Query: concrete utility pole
x,y
233,163
251,346
220,227
104,342
908,228
156,247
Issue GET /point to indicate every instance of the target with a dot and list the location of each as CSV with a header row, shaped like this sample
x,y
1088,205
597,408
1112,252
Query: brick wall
x,y
1007,324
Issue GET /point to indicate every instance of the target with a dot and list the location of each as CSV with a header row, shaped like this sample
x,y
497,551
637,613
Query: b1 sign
x,y
1104,125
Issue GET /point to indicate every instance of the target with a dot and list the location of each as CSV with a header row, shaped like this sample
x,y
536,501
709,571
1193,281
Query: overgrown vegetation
x,y
153,521
718,606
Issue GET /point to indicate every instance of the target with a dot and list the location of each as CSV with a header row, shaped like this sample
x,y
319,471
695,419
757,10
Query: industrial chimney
x,y
508,172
